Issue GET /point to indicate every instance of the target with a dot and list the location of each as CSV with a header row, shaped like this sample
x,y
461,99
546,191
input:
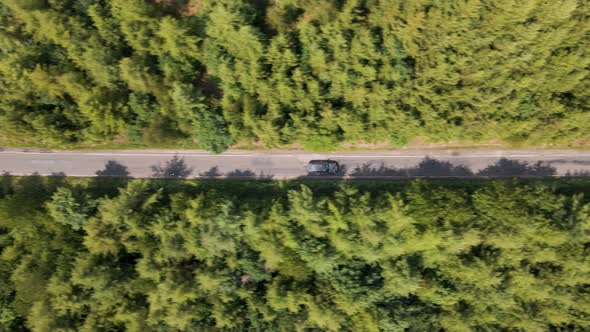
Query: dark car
x,y
322,167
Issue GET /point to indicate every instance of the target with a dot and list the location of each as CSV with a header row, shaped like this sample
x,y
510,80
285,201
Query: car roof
x,y
318,167
324,161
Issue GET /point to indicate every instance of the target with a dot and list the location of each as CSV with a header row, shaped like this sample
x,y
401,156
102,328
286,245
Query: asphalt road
x,y
290,164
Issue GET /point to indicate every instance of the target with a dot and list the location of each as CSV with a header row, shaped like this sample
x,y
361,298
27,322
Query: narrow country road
x,y
291,164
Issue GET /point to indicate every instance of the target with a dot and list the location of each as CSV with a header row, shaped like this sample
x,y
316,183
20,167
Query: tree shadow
x,y
563,161
6,184
514,168
213,172
247,174
370,169
238,173
34,187
55,180
577,174
433,167
342,170
176,168
428,167
113,169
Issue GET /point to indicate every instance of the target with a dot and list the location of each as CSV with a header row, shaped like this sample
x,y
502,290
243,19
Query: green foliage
x,y
67,209
210,130
227,256
317,74
199,119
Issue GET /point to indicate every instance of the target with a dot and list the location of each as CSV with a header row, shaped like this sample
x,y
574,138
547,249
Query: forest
x,y
210,255
314,74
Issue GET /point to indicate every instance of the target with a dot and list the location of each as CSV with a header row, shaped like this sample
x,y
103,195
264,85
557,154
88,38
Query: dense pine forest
x,y
155,255
316,74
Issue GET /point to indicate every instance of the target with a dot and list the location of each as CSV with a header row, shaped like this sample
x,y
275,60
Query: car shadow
x,y
341,174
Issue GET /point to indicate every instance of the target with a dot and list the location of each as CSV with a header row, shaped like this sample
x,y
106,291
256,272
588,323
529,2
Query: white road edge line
x,y
277,178
295,156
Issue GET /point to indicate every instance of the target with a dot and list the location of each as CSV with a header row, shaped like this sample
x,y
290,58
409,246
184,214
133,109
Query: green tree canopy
x,y
283,72
269,256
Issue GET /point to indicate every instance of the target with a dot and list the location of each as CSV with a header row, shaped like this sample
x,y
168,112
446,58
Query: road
x,y
291,164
